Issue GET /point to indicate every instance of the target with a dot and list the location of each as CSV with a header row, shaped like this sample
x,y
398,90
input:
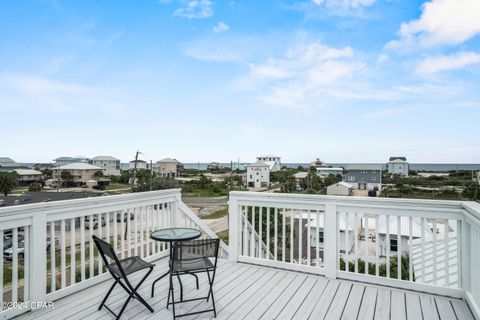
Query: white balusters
x,y
72,251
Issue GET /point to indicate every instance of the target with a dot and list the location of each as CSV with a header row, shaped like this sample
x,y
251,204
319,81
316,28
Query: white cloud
x,y
344,3
195,9
38,85
304,75
436,64
443,22
382,113
221,27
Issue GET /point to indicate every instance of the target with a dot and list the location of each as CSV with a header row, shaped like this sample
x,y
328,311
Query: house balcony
x,y
288,257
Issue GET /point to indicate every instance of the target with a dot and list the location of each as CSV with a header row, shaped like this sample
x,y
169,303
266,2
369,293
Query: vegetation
x,y
47,173
159,183
205,187
98,174
67,178
471,191
8,182
382,268
223,235
35,187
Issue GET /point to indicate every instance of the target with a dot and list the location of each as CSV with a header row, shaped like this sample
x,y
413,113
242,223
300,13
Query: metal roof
x,y
104,158
78,166
27,172
364,166
258,164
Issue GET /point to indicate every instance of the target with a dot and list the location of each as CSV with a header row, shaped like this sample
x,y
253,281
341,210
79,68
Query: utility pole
x,y
151,174
135,169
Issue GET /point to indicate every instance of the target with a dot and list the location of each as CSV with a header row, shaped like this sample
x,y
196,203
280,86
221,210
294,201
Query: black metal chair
x,y
192,257
120,269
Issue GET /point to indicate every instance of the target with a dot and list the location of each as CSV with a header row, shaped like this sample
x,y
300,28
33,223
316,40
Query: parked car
x,y
8,253
8,240
372,193
94,222
124,215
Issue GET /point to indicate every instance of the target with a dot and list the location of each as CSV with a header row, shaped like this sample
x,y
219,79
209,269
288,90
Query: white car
x,y
94,222
8,253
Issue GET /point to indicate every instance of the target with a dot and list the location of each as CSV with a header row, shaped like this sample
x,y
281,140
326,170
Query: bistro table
x,y
173,235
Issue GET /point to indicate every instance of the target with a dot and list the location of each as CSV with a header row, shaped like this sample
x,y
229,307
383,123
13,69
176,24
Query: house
x,y
213,166
364,176
81,172
8,164
61,161
141,164
398,165
110,164
325,171
168,168
272,161
258,175
239,166
340,189
312,224
27,176
404,234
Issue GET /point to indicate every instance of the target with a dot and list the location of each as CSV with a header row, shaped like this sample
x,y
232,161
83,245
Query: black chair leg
x,y
108,294
181,287
210,292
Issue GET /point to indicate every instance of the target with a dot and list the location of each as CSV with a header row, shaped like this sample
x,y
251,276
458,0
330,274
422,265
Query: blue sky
x,y
200,80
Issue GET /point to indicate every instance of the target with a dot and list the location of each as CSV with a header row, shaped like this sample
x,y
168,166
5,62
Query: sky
x,y
206,80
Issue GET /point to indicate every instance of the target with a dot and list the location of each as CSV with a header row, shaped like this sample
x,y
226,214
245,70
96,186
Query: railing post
x,y
330,241
233,228
175,212
465,255
38,258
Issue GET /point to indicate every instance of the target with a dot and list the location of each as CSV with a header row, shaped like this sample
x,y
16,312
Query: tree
x,y
98,174
159,183
35,187
8,181
471,191
67,177
330,179
47,173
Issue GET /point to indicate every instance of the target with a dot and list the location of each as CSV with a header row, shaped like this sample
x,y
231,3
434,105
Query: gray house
x,y
364,176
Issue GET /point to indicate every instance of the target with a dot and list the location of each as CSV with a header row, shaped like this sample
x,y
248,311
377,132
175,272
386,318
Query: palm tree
x,y
8,181
98,174
66,176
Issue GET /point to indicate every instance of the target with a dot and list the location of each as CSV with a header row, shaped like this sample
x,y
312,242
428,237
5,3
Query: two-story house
x,y
258,175
168,168
364,176
110,164
81,172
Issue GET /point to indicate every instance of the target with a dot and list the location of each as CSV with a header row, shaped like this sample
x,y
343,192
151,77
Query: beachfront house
x,y
364,176
110,164
398,165
81,173
27,176
326,171
168,168
141,164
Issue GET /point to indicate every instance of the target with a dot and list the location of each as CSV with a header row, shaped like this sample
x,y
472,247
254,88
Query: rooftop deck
x,y
244,291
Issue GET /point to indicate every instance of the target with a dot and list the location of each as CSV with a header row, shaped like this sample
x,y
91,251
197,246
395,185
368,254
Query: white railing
x,y
53,255
423,245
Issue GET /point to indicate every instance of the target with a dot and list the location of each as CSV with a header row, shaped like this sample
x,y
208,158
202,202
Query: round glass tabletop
x,y
175,234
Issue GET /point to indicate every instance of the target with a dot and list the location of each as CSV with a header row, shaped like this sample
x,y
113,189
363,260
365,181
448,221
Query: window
x,y
364,171
374,178
393,245
257,173
374,171
320,236
351,178
250,176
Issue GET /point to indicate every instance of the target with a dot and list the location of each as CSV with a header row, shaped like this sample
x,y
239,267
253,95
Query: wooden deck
x,y
245,291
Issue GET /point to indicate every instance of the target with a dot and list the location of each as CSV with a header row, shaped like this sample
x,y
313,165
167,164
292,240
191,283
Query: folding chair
x,y
120,269
191,257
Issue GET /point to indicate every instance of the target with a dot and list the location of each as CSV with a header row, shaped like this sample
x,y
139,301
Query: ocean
x,y
430,167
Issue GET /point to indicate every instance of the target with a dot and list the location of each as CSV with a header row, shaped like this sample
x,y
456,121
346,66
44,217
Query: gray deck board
x,y
244,291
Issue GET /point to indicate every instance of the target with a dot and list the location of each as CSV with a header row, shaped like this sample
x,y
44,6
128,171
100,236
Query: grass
x,y
223,235
217,214
113,186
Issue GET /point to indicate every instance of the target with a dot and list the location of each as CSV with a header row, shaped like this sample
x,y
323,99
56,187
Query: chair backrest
x,y
106,250
196,249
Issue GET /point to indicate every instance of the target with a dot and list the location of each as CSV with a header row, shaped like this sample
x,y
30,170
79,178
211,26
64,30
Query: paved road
x,y
217,225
